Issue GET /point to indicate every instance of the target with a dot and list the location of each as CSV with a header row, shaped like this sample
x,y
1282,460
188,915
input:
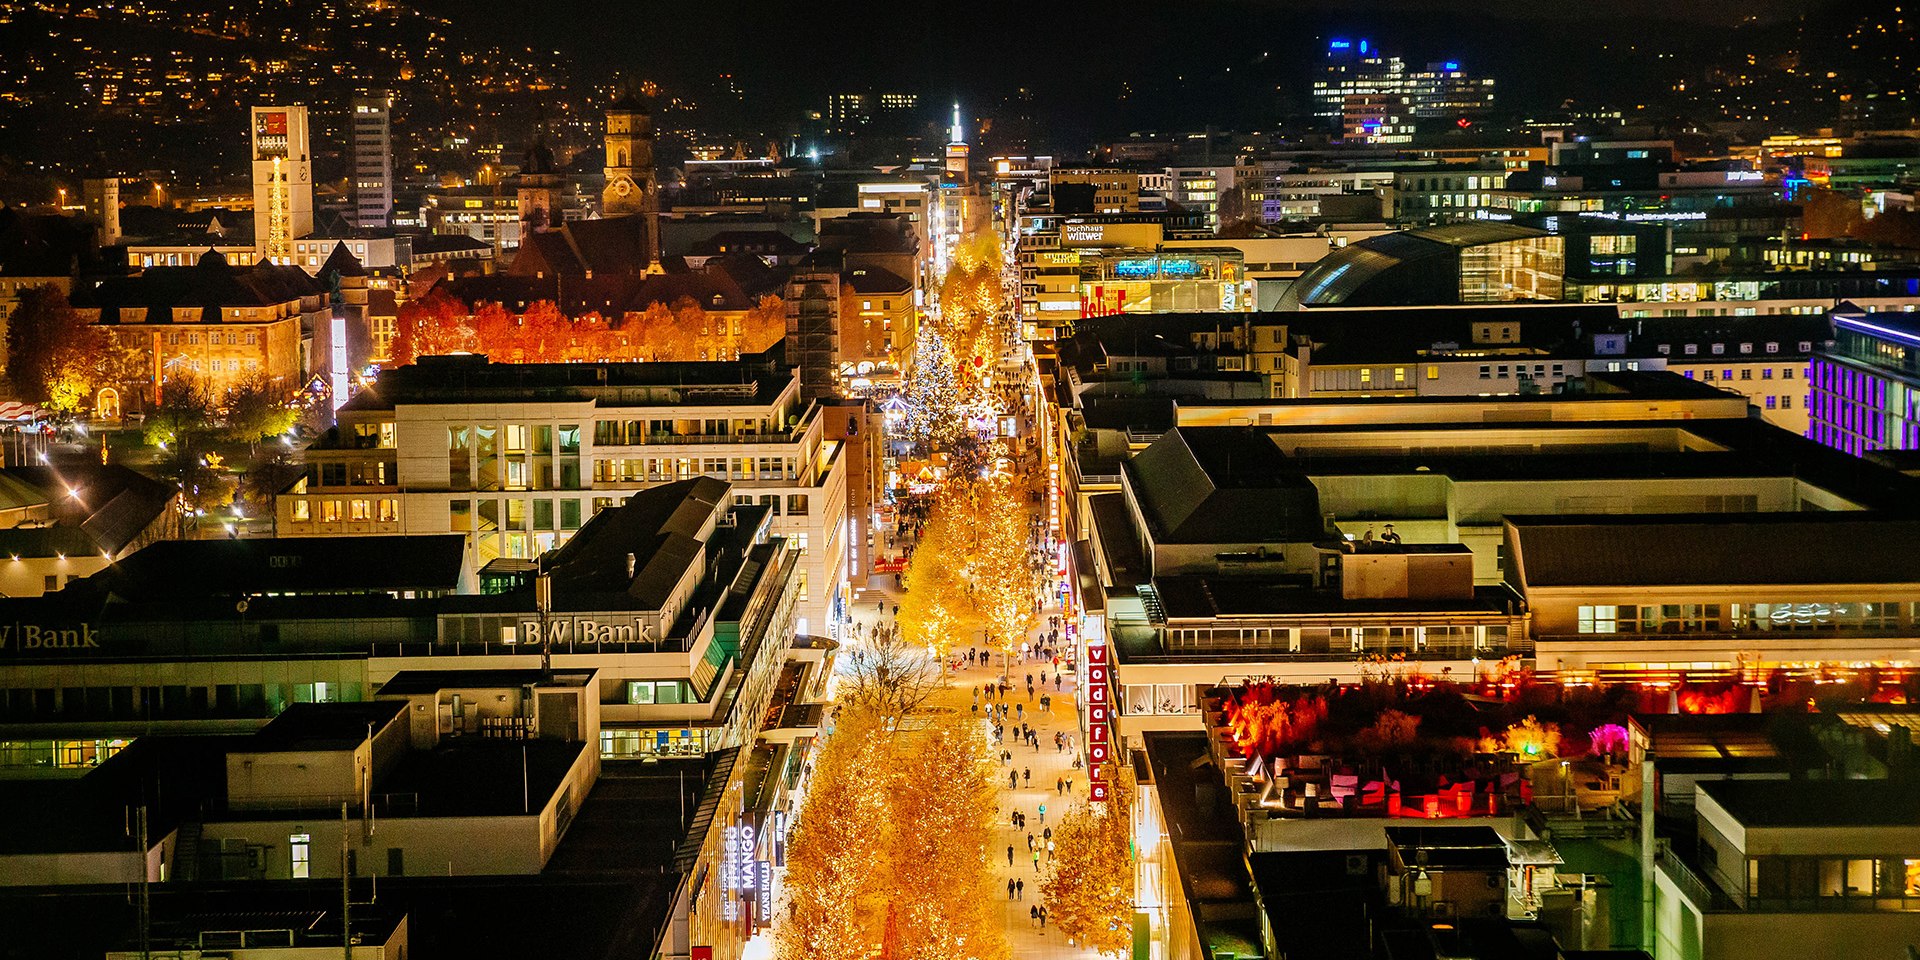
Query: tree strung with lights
x,y
834,868
1089,890
998,568
944,813
933,414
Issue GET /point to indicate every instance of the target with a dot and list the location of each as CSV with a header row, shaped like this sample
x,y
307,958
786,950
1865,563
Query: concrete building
x,y
517,457
371,115
1814,867
1261,547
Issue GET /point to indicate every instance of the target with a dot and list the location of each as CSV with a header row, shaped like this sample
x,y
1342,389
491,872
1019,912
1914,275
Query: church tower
x,y
630,185
539,188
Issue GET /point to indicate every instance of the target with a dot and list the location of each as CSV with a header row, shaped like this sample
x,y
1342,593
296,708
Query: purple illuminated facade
x,y
1865,389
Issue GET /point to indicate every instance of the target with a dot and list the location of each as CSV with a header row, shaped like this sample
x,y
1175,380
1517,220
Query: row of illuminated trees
x,y
894,851
440,323
891,856
971,569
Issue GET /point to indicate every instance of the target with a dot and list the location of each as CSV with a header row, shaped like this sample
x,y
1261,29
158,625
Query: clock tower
x,y
631,189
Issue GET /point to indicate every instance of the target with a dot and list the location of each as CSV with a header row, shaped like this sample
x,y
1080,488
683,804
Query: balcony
x,y
708,439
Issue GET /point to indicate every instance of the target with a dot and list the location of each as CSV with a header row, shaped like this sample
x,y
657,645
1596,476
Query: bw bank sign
x,y
585,631
32,636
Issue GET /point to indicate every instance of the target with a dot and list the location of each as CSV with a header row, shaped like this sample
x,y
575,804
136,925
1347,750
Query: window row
x,y
357,509
1757,617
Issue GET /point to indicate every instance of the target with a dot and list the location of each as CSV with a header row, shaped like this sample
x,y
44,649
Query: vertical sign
x,y
1100,749
763,912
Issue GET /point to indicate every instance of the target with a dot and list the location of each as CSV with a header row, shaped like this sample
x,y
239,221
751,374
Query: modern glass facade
x,y
1865,391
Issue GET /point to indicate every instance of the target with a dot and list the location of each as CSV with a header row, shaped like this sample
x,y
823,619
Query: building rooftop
x,y
660,530
754,379
174,569
1211,486
1817,803
93,509
1709,549
205,288
324,726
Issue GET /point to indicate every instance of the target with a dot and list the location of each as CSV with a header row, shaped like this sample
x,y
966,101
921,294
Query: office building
x,y
1442,91
1865,387
1374,119
372,119
518,457
282,181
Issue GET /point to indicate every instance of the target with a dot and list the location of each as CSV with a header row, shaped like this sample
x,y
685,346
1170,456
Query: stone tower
x,y
631,189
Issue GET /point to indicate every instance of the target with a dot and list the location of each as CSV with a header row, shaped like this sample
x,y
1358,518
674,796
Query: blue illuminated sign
x,y
1179,268
1453,65
1363,46
1142,269
1339,45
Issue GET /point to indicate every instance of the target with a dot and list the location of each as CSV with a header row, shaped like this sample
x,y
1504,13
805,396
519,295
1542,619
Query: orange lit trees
x,y
936,603
433,324
1089,889
999,570
891,852
943,814
834,867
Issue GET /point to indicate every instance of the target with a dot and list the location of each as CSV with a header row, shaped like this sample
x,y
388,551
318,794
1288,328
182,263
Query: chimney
x,y
630,566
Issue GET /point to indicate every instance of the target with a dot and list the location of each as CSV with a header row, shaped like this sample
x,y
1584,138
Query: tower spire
x,y
955,134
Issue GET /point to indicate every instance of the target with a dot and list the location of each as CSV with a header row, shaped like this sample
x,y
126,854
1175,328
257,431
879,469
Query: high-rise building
x,y
852,112
1865,388
282,181
1358,68
373,160
847,112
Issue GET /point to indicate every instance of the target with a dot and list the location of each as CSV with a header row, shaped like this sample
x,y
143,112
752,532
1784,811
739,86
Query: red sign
x,y
1098,793
1099,713
1096,653
1097,733
702,953
1096,675
1096,694
1097,773
273,124
1099,752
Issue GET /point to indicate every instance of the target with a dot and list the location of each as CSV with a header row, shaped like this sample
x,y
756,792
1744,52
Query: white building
x,y
282,180
518,457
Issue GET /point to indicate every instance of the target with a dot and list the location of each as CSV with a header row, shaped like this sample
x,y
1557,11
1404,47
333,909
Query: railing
x,y
709,439
526,648
1688,881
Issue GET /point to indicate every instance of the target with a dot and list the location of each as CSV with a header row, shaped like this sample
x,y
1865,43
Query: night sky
x,y
1079,59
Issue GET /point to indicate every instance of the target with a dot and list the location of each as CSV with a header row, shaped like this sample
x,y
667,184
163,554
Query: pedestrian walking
x,y
1009,888
1030,841
1043,813
1009,856
1043,917
1013,779
1020,887
1027,775
1033,914
1036,861
1048,835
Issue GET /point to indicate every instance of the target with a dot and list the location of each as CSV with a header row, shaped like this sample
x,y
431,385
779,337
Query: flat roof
x,y
408,682
1732,548
323,726
1817,803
